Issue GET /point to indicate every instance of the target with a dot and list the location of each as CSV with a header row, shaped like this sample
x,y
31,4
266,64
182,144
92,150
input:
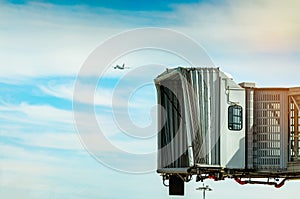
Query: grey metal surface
x,y
249,127
270,144
294,124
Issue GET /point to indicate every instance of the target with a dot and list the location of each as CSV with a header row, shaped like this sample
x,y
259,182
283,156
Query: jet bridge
x,y
212,127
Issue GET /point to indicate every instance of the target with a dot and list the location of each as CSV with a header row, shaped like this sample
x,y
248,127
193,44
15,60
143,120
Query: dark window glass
x,y
235,118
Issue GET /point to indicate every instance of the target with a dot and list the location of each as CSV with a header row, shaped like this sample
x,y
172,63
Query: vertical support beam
x,y
296,128
296,133
285,129
249,127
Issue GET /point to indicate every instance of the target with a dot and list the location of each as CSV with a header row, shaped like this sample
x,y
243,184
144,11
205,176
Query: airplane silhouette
x,y
121,67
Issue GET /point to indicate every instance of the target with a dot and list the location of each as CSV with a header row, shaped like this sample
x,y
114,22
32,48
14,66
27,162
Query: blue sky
x,y
141,5
43,45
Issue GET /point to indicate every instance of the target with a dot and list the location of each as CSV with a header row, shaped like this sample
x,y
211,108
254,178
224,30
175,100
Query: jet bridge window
x,y
235,118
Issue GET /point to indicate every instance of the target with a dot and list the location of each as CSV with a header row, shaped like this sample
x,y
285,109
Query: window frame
x,y
235,118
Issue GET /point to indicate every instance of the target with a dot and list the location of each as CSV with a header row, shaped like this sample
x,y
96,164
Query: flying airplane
x,y
121,67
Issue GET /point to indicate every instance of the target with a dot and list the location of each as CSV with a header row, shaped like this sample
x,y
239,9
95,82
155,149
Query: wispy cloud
x,y
44,39
53,42
42,114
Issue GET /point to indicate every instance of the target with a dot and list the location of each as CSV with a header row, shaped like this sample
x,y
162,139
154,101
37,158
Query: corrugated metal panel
x,y
190,131
205,85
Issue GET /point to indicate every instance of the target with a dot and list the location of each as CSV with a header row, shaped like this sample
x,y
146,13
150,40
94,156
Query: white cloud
x,y
62,90
243,26
42,114
111,91
54,140
252,40
45,174
151,61
56,128
44,39
102,96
